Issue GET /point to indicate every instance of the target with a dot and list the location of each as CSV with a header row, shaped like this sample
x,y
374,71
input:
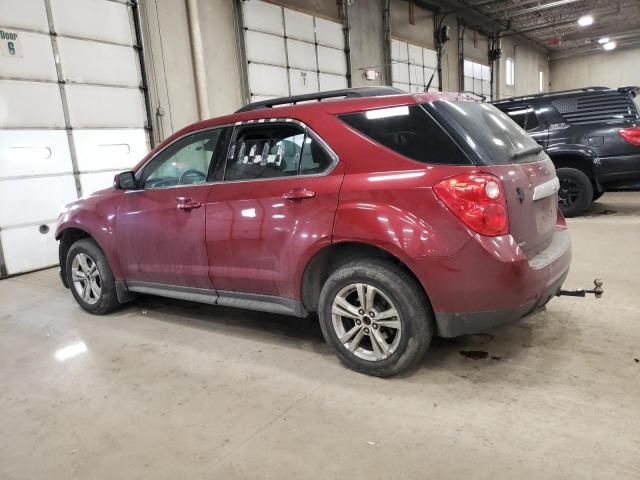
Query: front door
x,y
273,209
161,225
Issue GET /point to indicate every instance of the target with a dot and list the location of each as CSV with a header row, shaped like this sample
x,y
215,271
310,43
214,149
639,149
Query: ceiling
x,y
553,24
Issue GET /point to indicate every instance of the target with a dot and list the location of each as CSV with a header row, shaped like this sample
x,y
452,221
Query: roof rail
x,y
345,92
551,94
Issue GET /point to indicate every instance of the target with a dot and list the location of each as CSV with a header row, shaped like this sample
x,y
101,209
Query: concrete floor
x,y
169,390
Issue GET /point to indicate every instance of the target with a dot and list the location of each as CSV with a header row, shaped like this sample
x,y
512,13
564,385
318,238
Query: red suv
x,y
395,217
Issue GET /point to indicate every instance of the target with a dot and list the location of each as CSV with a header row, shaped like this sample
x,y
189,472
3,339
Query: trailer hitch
x,y
597,291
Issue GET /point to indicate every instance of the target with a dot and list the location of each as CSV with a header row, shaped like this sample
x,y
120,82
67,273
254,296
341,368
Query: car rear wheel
x,y
376,317
90,278
576,191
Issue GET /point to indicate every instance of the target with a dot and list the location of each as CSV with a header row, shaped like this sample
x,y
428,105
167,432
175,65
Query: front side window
x,y
185,162
409,131
274,151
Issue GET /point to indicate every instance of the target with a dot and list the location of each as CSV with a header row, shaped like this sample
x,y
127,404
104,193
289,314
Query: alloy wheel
x,y
366,322
86,278
569,193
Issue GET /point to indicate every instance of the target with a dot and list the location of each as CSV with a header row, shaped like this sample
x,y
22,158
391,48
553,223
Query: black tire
x,y
415,317
576,191
107,299
597,195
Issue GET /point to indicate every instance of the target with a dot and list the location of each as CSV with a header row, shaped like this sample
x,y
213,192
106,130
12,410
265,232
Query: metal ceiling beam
x,y
591,49
539,8
572,20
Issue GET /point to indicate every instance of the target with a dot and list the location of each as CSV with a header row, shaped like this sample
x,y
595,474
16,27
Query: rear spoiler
x,y
633,90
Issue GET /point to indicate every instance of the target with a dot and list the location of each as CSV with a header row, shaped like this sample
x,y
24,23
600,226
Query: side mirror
x,y
125,181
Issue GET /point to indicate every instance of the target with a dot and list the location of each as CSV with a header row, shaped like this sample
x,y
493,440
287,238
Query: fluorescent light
x,y
603,40
585,20
387,112
70,351
609,45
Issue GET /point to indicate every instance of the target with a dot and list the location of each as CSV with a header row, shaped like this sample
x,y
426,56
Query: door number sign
x,y
9,44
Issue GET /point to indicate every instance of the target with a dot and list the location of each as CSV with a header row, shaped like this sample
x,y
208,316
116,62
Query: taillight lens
x,y
478,200
631,135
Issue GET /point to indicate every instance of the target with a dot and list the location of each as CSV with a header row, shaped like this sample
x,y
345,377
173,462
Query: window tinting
x,y
524,116
491,133
184,162
409,131
265,152
315,158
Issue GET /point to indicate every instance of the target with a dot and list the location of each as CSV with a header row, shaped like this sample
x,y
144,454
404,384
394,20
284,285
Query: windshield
x,y
491,133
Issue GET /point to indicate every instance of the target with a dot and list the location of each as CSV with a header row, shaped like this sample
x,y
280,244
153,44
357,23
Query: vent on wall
x,y
596,107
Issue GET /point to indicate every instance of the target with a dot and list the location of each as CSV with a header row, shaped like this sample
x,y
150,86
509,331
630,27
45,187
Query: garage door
x,y
477,78
412,66
71,115
291,53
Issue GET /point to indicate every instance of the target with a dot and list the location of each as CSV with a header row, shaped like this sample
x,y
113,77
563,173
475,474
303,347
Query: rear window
x,y
491,133
409,131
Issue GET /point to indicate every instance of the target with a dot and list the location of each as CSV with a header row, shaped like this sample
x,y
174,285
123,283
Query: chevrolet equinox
x,y
395,217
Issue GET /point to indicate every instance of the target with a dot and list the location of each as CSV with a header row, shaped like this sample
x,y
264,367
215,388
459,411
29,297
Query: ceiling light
x,y
603,40
609,45
585,20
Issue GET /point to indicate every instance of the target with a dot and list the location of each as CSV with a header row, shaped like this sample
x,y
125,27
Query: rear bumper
x,y
490,283
623,170
456,324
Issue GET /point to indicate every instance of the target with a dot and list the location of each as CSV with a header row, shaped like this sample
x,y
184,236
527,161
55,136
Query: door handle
x,y
185,203
299,194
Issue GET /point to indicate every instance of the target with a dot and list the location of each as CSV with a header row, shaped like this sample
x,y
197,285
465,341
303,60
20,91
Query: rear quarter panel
x,y
386,200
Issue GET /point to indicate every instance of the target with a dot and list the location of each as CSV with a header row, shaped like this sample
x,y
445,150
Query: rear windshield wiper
x,y
526,152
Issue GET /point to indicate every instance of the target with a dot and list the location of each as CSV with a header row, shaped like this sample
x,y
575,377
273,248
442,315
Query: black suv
x,y
591,134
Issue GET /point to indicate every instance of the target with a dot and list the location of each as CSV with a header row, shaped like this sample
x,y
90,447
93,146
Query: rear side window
x,y
524,116
596,107
274,151
409,131
491,133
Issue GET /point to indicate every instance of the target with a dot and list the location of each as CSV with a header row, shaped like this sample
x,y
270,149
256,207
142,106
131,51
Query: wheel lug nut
x,y
361,312
366,330
372,314
375,326
358,322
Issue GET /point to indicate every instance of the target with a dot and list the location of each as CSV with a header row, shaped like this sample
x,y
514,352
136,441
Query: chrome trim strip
x,y
302,125
546,189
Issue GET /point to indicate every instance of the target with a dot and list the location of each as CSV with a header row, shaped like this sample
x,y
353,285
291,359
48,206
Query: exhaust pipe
x,y
597,291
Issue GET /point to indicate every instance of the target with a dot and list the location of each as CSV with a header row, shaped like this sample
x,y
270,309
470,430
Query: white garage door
x,y
477,78
291,53
71,115
412,67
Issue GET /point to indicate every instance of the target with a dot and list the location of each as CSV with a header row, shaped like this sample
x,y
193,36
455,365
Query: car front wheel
x,y
90,278
376,317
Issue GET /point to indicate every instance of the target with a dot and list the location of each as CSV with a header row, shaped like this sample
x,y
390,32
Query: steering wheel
x,y
191,176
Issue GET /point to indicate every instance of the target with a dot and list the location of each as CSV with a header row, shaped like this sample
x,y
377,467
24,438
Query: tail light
x,y
631,135
478,200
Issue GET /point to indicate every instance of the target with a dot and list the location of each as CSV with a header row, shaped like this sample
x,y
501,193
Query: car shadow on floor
x,y
463,357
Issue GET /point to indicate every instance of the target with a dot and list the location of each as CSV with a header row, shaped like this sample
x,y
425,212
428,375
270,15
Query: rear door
x,y
274,207
527,173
